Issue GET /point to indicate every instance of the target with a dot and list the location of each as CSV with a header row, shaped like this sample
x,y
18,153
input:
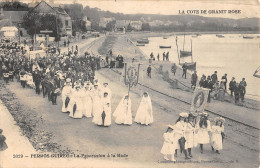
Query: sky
x,y
248,8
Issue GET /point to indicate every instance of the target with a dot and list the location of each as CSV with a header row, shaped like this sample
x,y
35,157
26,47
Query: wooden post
x,y
177,50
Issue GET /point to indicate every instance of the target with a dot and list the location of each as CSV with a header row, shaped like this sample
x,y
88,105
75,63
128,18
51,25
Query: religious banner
x,y
199,100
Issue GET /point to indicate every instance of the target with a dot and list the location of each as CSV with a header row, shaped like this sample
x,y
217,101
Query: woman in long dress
x,y
66,96
203,127
97,105
87,101
106,114
216,135
78,106
144,114
123,112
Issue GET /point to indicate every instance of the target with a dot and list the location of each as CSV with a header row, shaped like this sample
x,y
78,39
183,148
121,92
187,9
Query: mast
x,y
191,50
184,38
177,50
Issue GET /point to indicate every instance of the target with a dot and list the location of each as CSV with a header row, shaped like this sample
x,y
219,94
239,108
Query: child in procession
x,y
217,132
203,130
168,147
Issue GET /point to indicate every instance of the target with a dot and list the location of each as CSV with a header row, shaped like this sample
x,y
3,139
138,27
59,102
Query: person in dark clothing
x,y
214,77
149,71
210,87
173,68
151,55
194,79
37,81
236,92
64,43
203,82
242,89
232,84
163,56
225,81
158,57
3,145
184,69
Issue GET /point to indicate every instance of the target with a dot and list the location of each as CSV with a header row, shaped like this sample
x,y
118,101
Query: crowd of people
x,y
72,76
218,88
191,130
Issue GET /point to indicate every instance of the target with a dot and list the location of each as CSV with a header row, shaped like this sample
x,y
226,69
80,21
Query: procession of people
x,y
192,130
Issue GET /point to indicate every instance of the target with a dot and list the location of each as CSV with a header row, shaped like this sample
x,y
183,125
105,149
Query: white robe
x,y
77,97
203,133
216,138
168,147
107,110
88,103
97,106
123,112
66,92
179,131
190,136
108,90
144,114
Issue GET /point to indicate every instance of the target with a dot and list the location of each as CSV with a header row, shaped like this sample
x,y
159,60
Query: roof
x,y
60,10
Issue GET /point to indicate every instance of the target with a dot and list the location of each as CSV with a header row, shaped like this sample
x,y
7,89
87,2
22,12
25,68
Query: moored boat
x,y
140,44
185,53
220,36
248,37
143,41
165,46
190,66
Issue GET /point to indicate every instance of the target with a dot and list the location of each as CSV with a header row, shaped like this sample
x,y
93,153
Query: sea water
x,y
232,54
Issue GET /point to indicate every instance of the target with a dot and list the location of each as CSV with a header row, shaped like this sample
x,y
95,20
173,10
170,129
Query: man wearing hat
x,y
232,84
242,89
224,79
214,77
194,78
66,95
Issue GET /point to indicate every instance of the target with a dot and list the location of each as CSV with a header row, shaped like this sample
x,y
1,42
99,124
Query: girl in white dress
x,y
66,95
203,127
168,147
190,136
87,101
97,105
106,117
144,114
78,106
216,135
123,113
180,136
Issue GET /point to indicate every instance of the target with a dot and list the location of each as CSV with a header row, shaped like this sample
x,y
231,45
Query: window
x,y
66,22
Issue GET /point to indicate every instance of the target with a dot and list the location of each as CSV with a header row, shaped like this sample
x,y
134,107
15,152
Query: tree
x,y
14,6
34,22
110,25
146,27
129,27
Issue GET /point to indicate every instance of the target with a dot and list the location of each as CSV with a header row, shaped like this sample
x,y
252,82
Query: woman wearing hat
x,y
144,114
216,135
191,140
66,95
180,133
204,128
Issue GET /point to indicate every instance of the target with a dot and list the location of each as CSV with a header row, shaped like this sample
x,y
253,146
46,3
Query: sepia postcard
x,y
127,84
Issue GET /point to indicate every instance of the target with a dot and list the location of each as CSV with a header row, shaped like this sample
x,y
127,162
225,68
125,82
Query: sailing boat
x,y
191,65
